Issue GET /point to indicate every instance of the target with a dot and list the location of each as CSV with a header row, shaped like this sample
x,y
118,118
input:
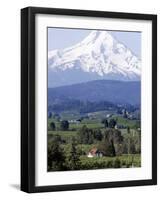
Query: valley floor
x,y
75,154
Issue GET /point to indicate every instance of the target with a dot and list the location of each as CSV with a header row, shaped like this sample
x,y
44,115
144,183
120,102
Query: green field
x,y
126,122
94,121
126,161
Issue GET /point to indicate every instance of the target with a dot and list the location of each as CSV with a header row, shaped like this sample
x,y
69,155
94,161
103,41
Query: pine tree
x,y
112,123
128,130
64,125
56,158
105,122
112,149
52,126
73,159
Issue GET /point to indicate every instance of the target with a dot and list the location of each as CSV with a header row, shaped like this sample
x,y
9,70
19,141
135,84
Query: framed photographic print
x,y
88,99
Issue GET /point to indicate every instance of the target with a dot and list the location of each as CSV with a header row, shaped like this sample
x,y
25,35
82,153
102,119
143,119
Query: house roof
x,y
93,151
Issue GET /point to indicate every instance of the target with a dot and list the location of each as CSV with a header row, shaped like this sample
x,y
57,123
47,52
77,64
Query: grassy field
x,y
65,135
126,122
94,121
126,161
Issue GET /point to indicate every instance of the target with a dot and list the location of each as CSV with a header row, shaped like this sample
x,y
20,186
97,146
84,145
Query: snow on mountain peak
x,y
99,53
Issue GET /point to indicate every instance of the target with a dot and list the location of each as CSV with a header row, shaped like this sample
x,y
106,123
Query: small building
x,y
108,115
94,152
74,121
120,126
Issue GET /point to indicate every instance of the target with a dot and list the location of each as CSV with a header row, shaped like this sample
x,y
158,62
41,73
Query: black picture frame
x,y
28,98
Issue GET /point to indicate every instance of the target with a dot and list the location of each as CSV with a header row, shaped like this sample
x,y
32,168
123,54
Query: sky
x,y
60,38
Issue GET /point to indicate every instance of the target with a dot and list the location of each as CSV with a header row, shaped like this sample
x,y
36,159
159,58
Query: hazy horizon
x,y
94,81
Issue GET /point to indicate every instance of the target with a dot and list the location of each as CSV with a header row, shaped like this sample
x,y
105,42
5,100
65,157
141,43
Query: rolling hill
x,y
116,92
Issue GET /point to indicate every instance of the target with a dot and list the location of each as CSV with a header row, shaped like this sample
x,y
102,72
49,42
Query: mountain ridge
x,y
99,90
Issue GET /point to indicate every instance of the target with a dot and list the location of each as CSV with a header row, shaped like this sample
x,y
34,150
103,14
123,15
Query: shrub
x,y
117,163
64,125
52,126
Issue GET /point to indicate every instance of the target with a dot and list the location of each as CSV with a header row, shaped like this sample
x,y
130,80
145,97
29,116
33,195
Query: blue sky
x,y
59,38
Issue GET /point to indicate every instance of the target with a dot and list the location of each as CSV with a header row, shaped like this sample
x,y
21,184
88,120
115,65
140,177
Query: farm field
x,y
124,161
127,151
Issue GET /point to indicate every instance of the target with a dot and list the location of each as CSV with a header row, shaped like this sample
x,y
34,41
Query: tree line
x,y
64,125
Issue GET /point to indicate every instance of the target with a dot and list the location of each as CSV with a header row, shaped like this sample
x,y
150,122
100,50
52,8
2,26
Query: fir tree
x,y
73,159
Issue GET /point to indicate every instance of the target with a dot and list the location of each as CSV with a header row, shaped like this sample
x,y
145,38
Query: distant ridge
x,y
99,90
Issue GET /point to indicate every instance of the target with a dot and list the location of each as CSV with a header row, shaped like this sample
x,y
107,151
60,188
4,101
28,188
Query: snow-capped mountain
x,y
98,56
